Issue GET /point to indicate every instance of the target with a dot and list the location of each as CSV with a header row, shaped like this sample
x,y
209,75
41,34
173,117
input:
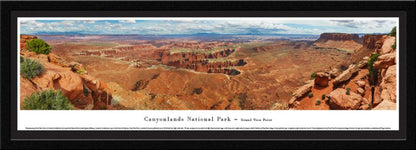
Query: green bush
x,y
317,102
313,75
310,95
30,68
323,97
39,46
47,100
372,71
394,45
348,91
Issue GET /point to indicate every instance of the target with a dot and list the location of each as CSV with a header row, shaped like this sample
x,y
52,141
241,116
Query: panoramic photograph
x,y
207,63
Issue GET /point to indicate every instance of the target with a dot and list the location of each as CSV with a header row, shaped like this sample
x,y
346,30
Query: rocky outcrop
x,y
166,56
370,44
388,84
386,105
322,79
334,72
24,39
385,61
373,42
300,92
202,62
347,74
387,45
84,91
338,99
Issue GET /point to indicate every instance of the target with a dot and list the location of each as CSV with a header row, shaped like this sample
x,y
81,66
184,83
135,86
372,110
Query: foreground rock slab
x,y
338,99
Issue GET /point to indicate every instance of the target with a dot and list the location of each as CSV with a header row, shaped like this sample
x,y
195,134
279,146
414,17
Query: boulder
x,y
300,92
364,104
338,99
386,105
360,91
57,60
347,74
61,78
384,61
388,42
322,79
334,73
360,83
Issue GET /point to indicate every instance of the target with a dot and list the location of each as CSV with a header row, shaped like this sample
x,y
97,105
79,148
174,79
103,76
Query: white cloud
x,y
127,21
208,26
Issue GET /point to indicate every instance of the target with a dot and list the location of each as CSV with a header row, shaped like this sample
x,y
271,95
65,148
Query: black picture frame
x,y
11,138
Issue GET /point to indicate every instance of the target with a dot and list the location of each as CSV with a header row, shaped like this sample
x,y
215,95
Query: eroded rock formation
x,y
322,79
341,41
338,37
203,62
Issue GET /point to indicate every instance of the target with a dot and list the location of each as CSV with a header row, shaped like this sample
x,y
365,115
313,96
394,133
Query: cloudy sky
x,y
201,25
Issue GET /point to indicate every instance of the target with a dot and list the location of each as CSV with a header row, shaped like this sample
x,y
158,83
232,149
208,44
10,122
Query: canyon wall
x,y
203,62
341,41
370,43
338,37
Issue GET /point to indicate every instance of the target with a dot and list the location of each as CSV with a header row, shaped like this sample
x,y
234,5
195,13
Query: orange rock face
x,y
200,62
373,41
84,91
322,79
342,41
338,99
24,39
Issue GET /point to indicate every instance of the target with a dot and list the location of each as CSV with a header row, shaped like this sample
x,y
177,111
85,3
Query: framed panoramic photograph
x,y
187,74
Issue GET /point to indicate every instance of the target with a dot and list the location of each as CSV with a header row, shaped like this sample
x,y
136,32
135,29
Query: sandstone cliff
x,y
203,62
370,44
341,41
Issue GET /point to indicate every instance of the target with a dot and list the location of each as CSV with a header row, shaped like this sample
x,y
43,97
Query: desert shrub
x,y
47,100
317,102
30,68
348,91
394,45
372,71
310,94
323,97
393,32
39,46
370,106
313,75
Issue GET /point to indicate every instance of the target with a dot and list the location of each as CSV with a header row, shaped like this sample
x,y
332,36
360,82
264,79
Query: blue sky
x,y
222,26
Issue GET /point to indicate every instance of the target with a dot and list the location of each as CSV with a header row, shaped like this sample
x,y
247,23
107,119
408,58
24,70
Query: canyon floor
x,y
143,76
